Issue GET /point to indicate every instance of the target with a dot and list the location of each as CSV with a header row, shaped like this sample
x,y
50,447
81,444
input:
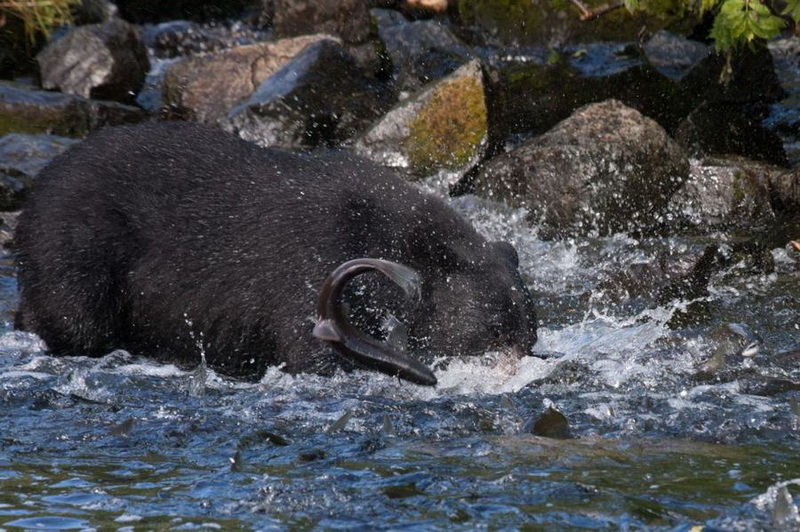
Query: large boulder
x,y
320,97
443,127
605,169
105,61
206,87
347,19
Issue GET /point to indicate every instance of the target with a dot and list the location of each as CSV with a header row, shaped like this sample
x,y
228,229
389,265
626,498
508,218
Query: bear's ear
x,y
507,251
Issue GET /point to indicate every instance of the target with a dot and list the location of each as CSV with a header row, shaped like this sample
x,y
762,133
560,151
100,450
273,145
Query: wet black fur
x,y
165,238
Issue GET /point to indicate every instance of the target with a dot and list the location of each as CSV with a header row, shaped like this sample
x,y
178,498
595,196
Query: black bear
x,y
174,240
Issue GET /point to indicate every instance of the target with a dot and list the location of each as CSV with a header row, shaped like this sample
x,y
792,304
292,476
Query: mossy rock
x,y
441,127
449,128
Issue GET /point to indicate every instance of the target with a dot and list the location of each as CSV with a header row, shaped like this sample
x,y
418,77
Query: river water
x,y
670,425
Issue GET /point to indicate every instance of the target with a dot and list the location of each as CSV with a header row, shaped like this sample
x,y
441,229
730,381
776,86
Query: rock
x,y
605,169
22,156
550,424
103,61
535,88
443,127
722,128
722,193
182,37
674,55
728,109
420,51
785,192
784,116
320,97
752,79
26,110
347,19
206,87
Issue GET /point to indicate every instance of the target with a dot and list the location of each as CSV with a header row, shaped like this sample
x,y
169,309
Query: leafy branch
x,y
736,23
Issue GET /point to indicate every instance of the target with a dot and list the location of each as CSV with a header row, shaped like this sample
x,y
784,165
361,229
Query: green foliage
x,y
38,16
736,22
743,22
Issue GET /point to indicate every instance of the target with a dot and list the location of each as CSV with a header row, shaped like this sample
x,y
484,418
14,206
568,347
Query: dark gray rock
x,y
320,97
420,51
722,128
723,193
674,55
605,169
347,19
102,61
533,89
22,156
27,110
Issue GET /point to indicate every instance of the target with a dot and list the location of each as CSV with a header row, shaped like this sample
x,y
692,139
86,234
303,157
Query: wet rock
x,y
103,61
674,55
206,87
21,158
444,126
722,128
722,193
93,12
729,102
605,169
420,51
535,88
550,424
181,37
785,191
784,117
26,110
751,79
348,19
320,97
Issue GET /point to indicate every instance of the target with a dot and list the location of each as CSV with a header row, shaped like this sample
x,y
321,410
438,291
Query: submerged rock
x,y
444,126
104,61
320,97
605,169
206,87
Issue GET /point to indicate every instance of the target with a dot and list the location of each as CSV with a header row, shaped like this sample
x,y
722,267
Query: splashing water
x,y
672,426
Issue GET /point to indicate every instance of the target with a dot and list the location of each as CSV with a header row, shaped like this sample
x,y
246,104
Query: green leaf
x,y
631,5
792,10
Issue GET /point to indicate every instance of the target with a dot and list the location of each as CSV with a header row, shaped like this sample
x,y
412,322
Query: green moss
x,y
448,130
